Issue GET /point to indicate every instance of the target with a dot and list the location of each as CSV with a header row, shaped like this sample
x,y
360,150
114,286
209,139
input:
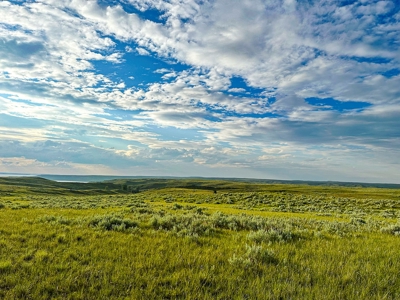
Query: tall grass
x,y
180,244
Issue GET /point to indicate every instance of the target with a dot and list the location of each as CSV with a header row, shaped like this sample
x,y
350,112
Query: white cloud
x,y
129,49
288,50
33,166
236,90
142,51
162,71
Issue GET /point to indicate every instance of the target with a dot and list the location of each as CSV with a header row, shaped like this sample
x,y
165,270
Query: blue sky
x,y
265,89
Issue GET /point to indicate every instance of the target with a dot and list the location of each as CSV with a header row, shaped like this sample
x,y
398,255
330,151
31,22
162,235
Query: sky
x,y
278,89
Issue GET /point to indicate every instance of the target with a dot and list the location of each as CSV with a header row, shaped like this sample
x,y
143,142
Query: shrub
x,y
112,222
55,220
392,229
177,206
357,221
184,225
233,222
254,256
271,235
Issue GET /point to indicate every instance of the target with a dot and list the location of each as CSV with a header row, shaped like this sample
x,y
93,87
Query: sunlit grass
x,y
195,244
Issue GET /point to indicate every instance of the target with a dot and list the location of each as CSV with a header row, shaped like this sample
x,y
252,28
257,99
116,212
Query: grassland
x,y
197,239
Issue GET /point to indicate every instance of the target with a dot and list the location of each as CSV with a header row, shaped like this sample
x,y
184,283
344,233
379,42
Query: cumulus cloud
x,y
237,90
142,51
70,74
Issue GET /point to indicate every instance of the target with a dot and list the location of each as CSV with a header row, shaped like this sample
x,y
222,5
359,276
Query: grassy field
x,y
197,239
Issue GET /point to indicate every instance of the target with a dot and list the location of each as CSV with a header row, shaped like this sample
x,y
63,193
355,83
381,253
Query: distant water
x,y
82,178
70,181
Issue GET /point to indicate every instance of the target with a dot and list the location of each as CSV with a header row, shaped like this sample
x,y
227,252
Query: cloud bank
x,y
272,89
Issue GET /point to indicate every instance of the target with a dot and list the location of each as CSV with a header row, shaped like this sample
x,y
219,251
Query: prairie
x,y
197,239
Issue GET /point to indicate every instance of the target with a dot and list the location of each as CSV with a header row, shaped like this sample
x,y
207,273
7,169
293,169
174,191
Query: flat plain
x,y
197,239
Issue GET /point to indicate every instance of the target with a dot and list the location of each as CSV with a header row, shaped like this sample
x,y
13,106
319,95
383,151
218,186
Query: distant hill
x,y
101,178
92,185
320,183
345,189
159,182
38,185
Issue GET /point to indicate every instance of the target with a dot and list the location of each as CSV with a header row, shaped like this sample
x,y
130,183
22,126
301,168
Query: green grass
x,y
271,242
